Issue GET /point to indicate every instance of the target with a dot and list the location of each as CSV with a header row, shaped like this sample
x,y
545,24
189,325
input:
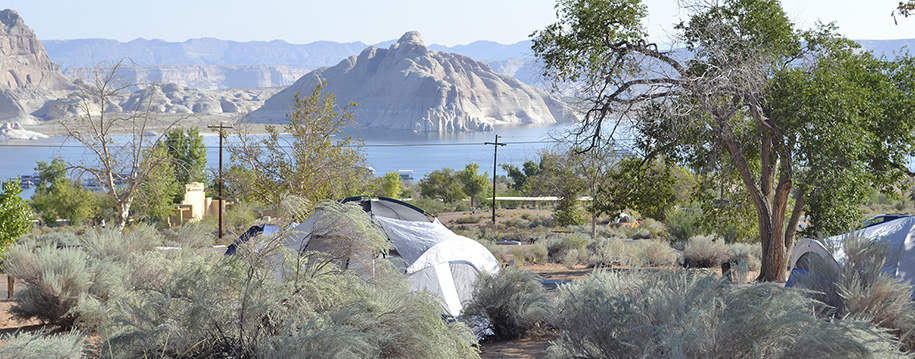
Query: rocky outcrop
x,y
14,131
409,87
29,78
209,77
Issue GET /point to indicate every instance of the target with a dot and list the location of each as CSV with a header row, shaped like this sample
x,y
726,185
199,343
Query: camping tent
x,y
899,233
434,258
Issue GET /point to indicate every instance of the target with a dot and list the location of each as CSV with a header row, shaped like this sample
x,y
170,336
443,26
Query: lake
x,y
387,151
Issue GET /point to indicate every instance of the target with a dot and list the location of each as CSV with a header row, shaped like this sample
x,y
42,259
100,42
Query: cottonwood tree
x,y
474,184
15,215
442,184
310,157
116,134
712,100
59,197
189,157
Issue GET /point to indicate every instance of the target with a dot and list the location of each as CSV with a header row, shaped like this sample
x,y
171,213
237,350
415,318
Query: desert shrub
x,y
684,225
656,253
641,234
55,281
704,252
745,253
574,256
251,305
557,246
26,345
59,239
859,288
605,252
638,314
192,235
655,229
536,253
468,220
119,246
512,301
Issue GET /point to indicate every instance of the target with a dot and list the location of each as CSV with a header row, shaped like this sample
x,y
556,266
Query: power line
x,y
368,145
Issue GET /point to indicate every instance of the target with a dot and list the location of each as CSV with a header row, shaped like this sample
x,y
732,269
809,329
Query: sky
x,y
446,23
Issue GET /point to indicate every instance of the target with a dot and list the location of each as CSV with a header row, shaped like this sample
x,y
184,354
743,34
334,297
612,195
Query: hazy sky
x,y
371,21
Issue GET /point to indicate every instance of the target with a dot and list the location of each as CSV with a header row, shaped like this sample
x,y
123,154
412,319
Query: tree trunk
x,y
123,213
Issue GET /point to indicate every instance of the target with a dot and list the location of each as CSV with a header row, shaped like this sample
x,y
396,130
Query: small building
x,y
196,205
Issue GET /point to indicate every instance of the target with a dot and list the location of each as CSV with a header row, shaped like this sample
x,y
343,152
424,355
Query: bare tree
x,y
113,119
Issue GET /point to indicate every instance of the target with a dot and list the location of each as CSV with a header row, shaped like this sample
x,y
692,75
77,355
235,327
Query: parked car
x,y
883,218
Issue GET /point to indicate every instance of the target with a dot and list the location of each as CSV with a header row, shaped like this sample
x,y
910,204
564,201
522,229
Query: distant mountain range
x,y
210,51
209,63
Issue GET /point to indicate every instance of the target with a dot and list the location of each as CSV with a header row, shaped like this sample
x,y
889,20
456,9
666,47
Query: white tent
x,y
899,233
434,258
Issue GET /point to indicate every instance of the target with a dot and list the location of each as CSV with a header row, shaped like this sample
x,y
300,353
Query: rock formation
x,y
409,87
29,79
208,77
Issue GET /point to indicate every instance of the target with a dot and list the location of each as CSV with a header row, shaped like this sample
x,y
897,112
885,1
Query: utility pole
x,y
495,157
221,128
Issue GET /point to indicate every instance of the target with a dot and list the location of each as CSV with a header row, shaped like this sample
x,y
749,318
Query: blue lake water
x,y
387,151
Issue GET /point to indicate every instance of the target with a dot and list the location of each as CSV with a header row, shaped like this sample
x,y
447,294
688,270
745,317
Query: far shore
x,y
163,122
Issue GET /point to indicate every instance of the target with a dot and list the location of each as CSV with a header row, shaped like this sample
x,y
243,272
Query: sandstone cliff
x,y
409,87
29,79
208,77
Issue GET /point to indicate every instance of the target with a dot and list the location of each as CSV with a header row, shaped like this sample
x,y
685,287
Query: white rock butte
x,y
29,79
409,87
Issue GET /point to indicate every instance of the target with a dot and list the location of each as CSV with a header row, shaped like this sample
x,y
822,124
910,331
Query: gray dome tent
x,y
433,258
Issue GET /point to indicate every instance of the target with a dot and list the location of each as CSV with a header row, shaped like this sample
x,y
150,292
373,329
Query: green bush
x,y
705,252
559,246
655,229
680,314
512,301
684,225
26,345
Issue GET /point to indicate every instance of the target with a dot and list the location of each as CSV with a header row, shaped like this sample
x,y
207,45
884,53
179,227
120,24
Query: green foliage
x,y
646,186
442,184
474,183
185,146
309,157
58,197
27,345
641,314
512,300
15,215
391,184
157,196
683,225
705,252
